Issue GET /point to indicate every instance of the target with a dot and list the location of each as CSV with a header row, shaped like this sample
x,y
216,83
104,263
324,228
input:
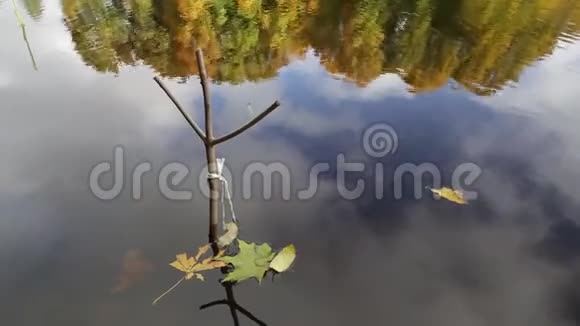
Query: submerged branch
x,y
237,307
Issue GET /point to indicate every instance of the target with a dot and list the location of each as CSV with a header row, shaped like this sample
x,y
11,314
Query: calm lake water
x,y
494,83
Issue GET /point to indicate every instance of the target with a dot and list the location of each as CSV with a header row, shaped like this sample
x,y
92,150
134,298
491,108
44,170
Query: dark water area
x,y
489,83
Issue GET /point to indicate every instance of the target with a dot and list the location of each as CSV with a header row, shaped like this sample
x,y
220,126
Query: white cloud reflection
x,y
65,118
548,93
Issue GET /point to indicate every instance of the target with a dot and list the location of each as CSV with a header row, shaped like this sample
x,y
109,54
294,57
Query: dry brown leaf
x,y
191,266
452,195
202,251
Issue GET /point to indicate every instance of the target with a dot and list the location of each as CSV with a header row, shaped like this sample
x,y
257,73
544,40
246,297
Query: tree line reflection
x,y
481,44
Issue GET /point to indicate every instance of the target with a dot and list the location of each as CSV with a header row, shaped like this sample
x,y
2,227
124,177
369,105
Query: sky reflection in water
x,y
509,258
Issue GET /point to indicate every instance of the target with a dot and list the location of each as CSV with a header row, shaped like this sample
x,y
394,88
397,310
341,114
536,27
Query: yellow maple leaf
x,y
192,265
202,251
452,195
183,263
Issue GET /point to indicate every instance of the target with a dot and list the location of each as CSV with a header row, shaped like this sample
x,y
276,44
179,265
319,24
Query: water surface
x,y
492,82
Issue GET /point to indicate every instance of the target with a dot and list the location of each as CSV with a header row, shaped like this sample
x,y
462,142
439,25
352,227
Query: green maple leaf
x,y
252,261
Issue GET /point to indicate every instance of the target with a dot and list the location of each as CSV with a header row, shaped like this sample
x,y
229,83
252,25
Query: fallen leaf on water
x,y
229,236
252,261
191,266
202,251
284,259
452,195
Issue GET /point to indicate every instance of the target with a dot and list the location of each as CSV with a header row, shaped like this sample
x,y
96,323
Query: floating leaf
x,y
264,254
253,261
284,259
229,236
191,266
202,251
452,195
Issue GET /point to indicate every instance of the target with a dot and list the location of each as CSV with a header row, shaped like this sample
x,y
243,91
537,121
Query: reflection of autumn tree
x,y
359,54
33,7
150,42
482,44
424,55
243,40
508,36
100,33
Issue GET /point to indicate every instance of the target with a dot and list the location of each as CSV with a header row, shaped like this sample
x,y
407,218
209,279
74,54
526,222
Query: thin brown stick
x,y
210,153
248,125
213,182
192,123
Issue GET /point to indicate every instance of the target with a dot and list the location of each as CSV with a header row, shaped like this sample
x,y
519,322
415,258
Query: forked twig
x,y
210,143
